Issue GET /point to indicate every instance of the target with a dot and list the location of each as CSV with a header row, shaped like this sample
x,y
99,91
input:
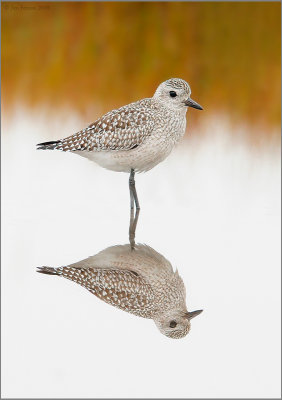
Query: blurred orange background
x,y
91,57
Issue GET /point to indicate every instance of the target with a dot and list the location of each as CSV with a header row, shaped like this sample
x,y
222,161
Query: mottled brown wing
x,y
121,288
122,129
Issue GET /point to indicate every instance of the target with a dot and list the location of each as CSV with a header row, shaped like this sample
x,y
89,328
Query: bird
x,y
141,282
135,137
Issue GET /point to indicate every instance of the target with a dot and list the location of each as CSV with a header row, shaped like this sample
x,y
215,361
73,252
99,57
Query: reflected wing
x,y
121,288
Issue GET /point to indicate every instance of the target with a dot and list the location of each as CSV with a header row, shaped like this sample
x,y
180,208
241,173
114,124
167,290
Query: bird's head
x,y
175,95
175,324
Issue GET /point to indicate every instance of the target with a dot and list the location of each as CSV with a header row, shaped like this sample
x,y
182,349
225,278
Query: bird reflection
x,y
141,282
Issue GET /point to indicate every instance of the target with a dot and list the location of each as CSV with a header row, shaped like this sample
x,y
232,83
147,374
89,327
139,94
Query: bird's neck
x,y
181,111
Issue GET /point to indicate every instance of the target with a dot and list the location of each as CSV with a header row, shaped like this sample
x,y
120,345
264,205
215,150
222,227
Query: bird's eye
x,y
172,324
172,93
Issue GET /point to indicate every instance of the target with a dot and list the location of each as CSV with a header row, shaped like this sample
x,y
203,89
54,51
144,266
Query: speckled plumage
x,y
141,282
134,137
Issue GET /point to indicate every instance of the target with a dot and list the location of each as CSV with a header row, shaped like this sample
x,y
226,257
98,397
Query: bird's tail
x,y
48,145
49,270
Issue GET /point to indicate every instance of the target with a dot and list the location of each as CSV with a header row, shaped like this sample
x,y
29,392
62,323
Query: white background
x,y
212,209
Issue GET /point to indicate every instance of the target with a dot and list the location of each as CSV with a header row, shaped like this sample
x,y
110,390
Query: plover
x,y
141,282
135,137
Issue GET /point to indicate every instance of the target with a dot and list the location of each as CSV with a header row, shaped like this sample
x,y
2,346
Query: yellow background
x,y
90,56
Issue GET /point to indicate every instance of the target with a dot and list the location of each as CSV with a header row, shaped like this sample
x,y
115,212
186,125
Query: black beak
x,y
192,314
191,103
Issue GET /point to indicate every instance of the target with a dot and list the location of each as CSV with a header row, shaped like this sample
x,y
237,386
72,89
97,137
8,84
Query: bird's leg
x,y
131,233
137,206
133,219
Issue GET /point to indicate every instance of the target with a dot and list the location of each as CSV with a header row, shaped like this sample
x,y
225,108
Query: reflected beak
x,y
191,103
192,314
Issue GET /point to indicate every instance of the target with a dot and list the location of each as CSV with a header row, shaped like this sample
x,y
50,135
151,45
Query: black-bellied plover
x,y
141,282
135,137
